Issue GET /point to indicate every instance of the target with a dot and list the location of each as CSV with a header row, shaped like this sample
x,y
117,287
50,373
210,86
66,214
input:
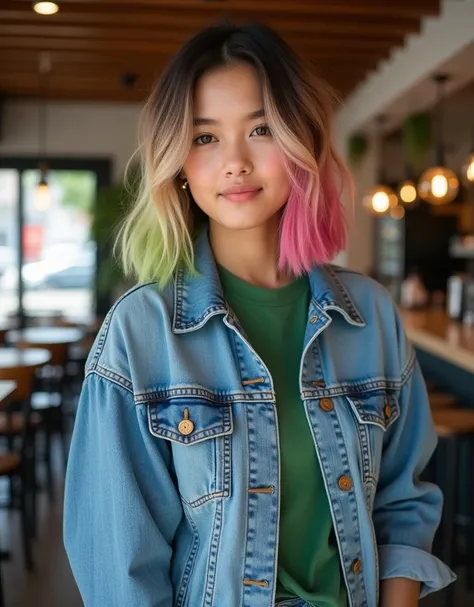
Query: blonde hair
x,y
157,236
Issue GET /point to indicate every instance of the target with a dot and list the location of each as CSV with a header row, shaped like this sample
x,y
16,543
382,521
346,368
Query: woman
x,y
253,423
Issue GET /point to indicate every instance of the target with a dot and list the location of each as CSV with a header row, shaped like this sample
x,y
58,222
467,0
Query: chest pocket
x,y
373,413
200,436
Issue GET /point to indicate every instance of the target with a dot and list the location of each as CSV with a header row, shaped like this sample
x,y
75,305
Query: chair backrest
x,y
23,376
58,352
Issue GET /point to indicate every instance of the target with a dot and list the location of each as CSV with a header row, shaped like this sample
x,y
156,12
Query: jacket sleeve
x,y
121,507
407,511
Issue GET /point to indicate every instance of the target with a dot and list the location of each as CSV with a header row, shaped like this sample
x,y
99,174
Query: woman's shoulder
x,y
361,287
136,323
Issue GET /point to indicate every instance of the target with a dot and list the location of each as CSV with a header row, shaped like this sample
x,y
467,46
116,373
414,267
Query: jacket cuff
x,y
415,564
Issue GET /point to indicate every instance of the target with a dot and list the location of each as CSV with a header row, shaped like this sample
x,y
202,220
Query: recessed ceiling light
x,y
45,8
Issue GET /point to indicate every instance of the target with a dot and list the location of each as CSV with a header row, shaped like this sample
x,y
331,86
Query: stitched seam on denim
x,y
206,498
212,397
352,389
224,427
189,563
213,554
406,373
201,321
109,374
111,379
178,289
353,311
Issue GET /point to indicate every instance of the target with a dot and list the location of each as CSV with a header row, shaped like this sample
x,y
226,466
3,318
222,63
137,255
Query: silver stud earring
x,y
185,185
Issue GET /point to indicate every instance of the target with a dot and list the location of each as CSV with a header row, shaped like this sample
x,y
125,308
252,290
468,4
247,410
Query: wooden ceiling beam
x,y
192,21
403,8
162,52
357,43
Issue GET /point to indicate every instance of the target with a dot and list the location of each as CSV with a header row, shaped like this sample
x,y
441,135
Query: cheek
x,y
272,167
199,169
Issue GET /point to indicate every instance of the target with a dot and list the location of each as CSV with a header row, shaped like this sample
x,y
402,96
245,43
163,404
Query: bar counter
x,y
432,331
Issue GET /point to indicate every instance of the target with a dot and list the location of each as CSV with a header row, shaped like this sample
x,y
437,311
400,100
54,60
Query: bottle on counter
x,y
413,293
468,312
455,296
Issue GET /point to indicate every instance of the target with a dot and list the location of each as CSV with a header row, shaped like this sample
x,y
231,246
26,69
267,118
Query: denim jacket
x,y
172,489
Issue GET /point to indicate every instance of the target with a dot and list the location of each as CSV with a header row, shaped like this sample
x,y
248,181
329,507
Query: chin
x,y
242,223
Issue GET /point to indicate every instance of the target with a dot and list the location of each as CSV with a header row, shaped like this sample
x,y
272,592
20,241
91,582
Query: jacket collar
x,y
199,297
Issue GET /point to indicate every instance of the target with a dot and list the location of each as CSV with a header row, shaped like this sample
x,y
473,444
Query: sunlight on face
x,y
235,168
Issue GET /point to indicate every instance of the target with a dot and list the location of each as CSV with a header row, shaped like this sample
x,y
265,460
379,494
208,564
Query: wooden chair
x,y
441,400
47,401
18,462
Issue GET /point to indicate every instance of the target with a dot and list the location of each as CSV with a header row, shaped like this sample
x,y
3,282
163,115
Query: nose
x,y
237,160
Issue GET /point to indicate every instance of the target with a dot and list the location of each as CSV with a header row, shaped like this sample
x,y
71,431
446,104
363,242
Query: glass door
x,y
59,257
9,245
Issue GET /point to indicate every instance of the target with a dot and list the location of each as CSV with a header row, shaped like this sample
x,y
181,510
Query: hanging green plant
x,y
357,148
417,138
112,205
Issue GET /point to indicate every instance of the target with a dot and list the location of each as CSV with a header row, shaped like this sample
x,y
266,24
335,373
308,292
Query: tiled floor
x,y
52,584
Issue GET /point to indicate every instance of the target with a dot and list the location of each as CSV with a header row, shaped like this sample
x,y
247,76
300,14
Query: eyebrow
x,y
205,121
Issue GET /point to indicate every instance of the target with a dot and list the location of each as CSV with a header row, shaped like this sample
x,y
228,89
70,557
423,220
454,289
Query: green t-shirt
x,y
275,321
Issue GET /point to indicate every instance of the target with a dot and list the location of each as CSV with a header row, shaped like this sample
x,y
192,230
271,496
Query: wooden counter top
x,y
434,332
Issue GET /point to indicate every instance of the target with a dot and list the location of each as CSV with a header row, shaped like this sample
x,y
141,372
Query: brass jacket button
x,y
345,483
186,426
356,566
387,411
326,404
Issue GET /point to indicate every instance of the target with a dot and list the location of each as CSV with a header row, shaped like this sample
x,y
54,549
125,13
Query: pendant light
x,y
439,185
407,192
381,198
42,199
468,167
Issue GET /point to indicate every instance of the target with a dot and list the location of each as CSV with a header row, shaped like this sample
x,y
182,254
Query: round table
x,y
45,335
17,357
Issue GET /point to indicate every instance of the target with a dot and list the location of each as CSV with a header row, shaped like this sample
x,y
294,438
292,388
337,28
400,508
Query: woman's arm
x,y
407,511
121,506
399,592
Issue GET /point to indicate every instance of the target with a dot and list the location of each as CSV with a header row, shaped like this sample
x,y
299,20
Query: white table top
x,y
6,388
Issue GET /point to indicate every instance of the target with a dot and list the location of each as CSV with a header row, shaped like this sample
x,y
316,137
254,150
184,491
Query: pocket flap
x,y
202,421
379,409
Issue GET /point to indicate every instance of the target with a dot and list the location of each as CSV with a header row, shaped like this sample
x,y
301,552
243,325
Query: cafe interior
x,y
73,77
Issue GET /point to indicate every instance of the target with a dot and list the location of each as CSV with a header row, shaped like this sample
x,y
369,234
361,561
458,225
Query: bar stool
x,y
455,430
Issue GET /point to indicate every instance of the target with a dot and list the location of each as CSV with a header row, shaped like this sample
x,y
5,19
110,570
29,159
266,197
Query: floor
x,y
52,584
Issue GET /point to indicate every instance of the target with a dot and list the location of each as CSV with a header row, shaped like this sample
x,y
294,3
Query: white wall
x,y
74,129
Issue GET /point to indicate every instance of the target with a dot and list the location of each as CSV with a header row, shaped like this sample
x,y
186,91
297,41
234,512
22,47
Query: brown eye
x,y
203,139
262,131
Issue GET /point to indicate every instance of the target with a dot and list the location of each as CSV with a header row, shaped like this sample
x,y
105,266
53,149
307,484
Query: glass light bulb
x,y
439,186
408,193
42,197
380,202
45,8
470,171
397,212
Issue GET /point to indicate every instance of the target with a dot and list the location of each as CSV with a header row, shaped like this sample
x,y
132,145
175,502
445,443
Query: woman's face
x,y
235,168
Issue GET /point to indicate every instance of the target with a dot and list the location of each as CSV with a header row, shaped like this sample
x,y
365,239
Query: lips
x,y
240,193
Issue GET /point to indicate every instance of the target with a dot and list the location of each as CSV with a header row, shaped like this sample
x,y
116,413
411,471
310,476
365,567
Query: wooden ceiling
x,y
94,46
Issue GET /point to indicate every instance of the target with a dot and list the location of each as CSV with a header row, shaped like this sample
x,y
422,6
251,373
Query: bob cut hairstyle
x,y
158,233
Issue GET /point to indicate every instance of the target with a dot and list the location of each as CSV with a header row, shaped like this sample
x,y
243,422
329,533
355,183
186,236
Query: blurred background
x,y
73,78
